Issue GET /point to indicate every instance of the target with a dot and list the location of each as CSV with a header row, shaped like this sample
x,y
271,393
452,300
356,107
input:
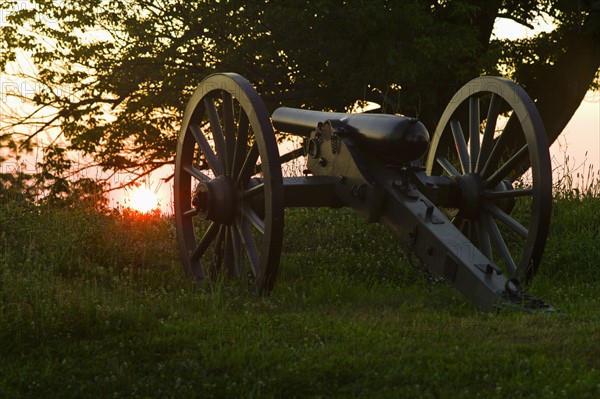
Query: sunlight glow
x,y
143,200
505,28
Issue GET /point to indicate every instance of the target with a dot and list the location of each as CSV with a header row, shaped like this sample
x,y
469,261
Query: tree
x,y
118,73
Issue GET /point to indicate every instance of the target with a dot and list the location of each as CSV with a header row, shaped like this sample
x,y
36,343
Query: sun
x,y
143,200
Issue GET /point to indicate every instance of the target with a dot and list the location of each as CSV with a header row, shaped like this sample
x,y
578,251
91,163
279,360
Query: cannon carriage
x,y
461,211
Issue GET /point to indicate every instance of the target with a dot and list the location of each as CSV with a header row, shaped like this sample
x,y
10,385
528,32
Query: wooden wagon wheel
x,y
506,216
228,185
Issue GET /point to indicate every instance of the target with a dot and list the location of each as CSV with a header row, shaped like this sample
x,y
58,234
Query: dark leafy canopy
x,y
119,72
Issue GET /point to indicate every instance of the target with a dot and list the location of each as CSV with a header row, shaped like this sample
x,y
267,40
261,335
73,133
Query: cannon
x,y
472,201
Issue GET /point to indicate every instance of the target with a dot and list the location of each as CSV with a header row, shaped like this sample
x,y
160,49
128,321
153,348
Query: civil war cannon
x,y
465,213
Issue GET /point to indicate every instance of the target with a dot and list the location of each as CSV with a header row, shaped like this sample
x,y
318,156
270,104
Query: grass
x,y
96,305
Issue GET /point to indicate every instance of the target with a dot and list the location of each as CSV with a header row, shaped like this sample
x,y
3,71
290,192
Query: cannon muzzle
x,y
391,137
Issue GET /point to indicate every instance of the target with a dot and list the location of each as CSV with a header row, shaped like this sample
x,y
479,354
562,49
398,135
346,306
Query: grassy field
x,y
96,306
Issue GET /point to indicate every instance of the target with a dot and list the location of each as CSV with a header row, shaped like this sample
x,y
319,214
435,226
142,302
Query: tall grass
x,y
95,304
573,179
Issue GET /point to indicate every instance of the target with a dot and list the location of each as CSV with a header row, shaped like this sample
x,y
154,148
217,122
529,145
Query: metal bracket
x,y
488,268
429,215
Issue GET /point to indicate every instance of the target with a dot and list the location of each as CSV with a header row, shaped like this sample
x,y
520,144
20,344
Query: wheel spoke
x,y
461,145
241,145
238,257
500,245
197,174
229,253
474,130
218,255
258,189
190,213
483,238
444,163
460,223
467,229
207,151
298,152
499,147
505,169
246,234
253,218
521,192
249,163
508,220
215,128
229,125
205,241
488,133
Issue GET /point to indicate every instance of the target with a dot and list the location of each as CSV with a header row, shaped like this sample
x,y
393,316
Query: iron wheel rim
x,y
229,106
482,158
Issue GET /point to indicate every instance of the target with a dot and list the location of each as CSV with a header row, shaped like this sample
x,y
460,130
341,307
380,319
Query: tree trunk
x,y
560,90
560,93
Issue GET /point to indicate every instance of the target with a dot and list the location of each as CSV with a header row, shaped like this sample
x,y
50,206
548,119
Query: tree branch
x,y
516,19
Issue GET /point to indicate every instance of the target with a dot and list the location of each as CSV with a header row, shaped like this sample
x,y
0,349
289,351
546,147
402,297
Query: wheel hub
x,y
506,204
216,200
471,199
472,195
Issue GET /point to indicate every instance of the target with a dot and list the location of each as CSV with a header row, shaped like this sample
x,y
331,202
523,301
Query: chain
x,y
430,278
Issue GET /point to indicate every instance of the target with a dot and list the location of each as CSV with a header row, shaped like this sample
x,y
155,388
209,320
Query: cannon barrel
x,y
391,137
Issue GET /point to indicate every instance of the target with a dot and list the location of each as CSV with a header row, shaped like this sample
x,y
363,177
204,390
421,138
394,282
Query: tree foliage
x,y
52,185
117,73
